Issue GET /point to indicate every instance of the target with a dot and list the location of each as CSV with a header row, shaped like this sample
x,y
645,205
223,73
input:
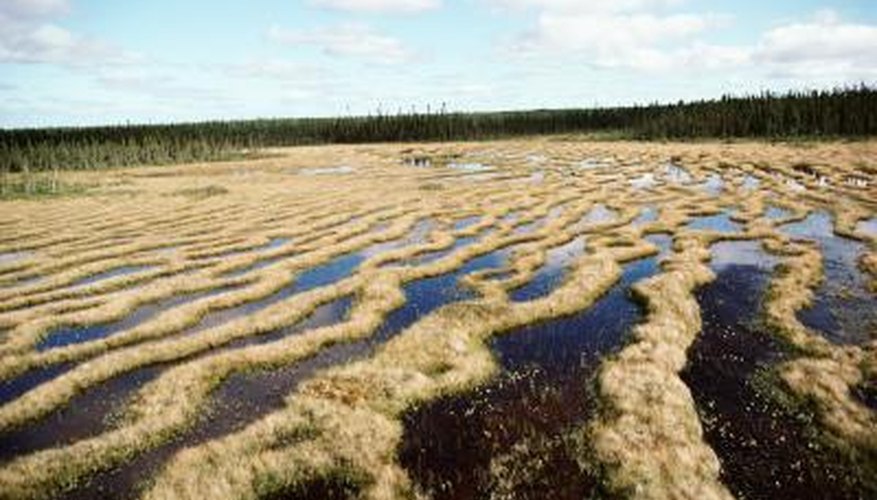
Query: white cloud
x,y
278,70
585,6
348,40
29,9
632,34
392,6
29,35
824,46
637,40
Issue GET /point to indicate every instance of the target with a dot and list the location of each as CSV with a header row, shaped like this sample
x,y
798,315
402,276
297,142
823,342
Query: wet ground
x,y
511,436
516,435
766,450
245,397
844,310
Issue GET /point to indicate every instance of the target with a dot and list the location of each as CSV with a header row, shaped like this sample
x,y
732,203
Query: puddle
x,y
435,255
112,273
509,438
843,310
557,260
85,415
470,167
341,169
714,185
13,257
645,181
868,227
466,222
530,227
13,388
271,245
68,335
593,163
720,222
245,397
774,212
600,214
795,185
765,452
750,182
510,218
675,174
417,235
646,215
336,269
23,281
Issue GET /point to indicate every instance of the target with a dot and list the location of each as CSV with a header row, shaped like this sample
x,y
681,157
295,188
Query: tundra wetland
x,y
502,319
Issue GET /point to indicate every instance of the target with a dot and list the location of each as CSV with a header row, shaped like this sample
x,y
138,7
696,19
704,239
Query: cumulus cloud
x,y
639,34
351,40
29,9
584,6
825,46
615,38
277,69
391,6
28,34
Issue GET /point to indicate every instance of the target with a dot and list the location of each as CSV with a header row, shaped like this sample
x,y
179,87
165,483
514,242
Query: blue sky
x,y
85,62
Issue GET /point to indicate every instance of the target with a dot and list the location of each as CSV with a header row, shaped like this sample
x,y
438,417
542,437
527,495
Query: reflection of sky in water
x,y
648,214
466,222
540,392
644,181
10,257
752,436
469,167
713,185
112,273
721,222
341,169
794,185
727,254
590,163
868,227
750,182
66,335
417,235
599,214
557,259
775,212
676,174
844,309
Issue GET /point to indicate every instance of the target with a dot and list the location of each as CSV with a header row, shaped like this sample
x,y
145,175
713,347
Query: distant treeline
x,y
848,112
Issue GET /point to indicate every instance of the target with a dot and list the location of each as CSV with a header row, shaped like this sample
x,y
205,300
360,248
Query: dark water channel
x,y
765,450
247,396
844,310
509,437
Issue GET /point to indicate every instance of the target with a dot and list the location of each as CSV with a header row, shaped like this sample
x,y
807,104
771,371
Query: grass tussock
x,y
250,233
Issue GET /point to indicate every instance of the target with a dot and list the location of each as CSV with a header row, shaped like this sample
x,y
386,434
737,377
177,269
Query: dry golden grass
x,y
198,228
